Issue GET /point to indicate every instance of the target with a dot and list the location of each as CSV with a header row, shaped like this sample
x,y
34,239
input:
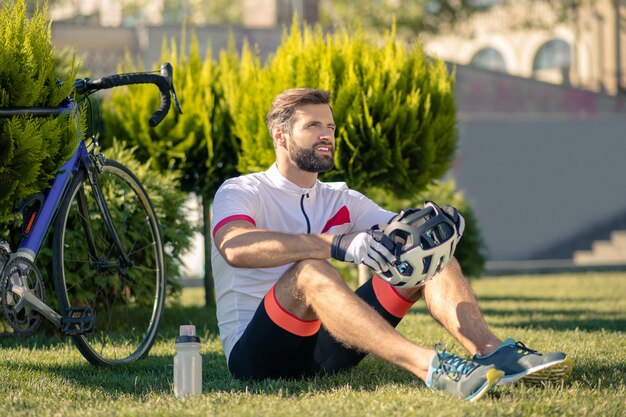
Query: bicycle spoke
x,y
143,248
122,293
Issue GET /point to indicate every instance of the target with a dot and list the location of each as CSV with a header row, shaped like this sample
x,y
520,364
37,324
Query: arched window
x,y
490,59
553,54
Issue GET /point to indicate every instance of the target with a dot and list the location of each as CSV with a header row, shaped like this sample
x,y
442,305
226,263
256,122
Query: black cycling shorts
x,y
276,344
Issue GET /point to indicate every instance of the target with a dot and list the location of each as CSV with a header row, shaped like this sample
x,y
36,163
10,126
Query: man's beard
x,y
308,161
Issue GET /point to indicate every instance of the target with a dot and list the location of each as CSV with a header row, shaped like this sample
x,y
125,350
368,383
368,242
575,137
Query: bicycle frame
x,y
38,230
81,196
36,233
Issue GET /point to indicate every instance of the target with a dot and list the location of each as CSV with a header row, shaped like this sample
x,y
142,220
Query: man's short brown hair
x,y
284,105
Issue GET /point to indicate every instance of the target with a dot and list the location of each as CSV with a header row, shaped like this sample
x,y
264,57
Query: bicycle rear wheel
x,y
90,270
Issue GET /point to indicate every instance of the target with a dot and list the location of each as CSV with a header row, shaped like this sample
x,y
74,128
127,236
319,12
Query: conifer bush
x,y
199,142
395,114
394,107
31,149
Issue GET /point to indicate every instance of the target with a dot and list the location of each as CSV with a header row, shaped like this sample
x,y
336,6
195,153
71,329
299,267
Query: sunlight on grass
x,y
582,314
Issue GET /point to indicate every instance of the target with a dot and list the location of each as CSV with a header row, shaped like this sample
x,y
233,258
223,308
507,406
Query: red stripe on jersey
x,y
341,217
232,218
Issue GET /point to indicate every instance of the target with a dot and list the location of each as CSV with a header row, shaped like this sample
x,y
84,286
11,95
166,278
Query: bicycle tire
x,y
128,304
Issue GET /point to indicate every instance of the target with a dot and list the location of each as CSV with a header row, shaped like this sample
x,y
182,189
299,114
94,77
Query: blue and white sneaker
x,y
459,377
521,363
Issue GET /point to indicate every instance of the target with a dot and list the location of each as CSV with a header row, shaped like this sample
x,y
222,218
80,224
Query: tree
x,y
411,17
394,106
432,16
199,142
32,149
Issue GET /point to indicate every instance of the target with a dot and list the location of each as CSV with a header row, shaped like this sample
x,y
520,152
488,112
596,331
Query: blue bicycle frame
x,y
75,198
39,225
37,231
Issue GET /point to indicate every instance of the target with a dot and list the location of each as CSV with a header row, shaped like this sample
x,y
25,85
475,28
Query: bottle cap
x,y
188,330
187,334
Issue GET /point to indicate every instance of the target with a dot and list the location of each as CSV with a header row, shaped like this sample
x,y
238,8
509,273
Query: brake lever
x,y
176,102
167,71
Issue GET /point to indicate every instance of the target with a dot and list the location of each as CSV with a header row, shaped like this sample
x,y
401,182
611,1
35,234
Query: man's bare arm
x,y
244,246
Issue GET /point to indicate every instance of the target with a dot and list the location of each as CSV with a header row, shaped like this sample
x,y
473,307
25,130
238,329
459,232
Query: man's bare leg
x,y
314,289
450,301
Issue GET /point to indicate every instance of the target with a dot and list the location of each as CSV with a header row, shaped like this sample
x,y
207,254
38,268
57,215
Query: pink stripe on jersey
x,y
341,217
232,218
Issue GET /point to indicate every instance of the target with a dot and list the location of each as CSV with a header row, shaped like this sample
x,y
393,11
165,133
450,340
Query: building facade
x,y
115,13
587,50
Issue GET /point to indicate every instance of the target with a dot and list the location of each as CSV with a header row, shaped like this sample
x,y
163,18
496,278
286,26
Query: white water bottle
x,y
187,363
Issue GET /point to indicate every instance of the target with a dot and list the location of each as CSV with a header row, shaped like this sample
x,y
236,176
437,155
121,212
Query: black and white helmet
x,y
425,243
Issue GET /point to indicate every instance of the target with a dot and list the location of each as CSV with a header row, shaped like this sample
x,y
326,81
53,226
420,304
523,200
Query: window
x,y
553,54
490,59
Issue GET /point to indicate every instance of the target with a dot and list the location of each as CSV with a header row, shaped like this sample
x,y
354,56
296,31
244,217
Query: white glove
x,y
372,248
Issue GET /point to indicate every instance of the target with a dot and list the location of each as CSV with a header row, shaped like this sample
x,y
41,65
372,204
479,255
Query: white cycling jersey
x,y
270,201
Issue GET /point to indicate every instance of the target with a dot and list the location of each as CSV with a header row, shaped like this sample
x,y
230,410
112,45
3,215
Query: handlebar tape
x,y
82,86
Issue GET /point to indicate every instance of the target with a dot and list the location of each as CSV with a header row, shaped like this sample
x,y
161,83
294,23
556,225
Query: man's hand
x,y
370,247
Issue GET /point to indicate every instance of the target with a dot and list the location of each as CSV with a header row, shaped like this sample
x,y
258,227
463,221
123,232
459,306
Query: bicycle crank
x,y
22,291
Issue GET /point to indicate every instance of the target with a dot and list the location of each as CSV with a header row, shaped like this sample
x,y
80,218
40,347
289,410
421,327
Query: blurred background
x,y
540,90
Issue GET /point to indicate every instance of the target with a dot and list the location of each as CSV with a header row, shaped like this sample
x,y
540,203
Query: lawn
x,y
583,314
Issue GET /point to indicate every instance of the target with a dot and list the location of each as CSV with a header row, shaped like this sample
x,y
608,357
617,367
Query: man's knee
x,y
452,270
314,267
315,271
301,282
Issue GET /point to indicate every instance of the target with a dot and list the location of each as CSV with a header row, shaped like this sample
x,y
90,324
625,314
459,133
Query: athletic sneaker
x,y
466,379
521,363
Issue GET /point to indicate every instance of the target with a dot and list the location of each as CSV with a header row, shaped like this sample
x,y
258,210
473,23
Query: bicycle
x,y
108,253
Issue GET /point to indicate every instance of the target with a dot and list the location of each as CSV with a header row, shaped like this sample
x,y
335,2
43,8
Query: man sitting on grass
x,y
285,312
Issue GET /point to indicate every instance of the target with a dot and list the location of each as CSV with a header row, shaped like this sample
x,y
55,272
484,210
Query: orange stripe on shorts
x,y
389,298
287,321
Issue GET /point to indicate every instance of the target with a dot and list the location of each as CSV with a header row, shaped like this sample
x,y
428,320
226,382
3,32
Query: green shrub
x,y
197,142
169,204
31,149
393,106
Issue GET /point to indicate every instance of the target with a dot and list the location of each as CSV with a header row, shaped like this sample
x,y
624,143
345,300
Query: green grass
x,y
582,314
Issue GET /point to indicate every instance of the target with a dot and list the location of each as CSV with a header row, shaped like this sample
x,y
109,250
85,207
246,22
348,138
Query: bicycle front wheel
x,y
123,278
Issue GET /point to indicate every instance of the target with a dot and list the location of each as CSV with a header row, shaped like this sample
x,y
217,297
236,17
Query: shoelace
x,y
523,349
452,365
